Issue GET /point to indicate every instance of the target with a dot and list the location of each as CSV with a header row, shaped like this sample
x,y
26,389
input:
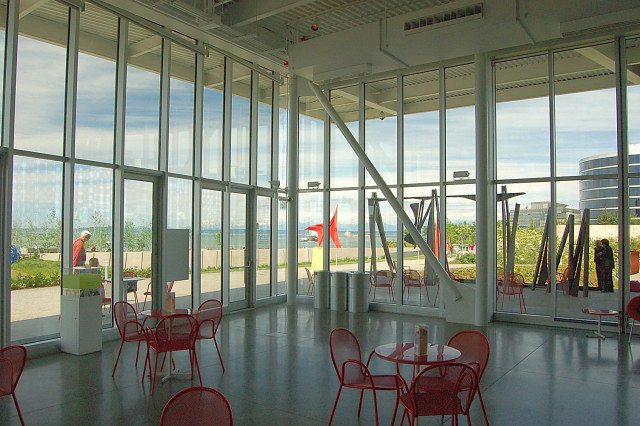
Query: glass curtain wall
x,y
263,238
96,86
381,120
570,175
37,179
586,146
180,216
36,231
92,207
265,130
344,166
211,241
522,126
419,284
460,170
181,111
633,104
283,146
142,113
311,178
37,183
240,123
39,109
213,115
421,148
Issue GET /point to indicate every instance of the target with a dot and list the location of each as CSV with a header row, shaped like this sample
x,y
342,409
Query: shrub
x,y
466,258
20,281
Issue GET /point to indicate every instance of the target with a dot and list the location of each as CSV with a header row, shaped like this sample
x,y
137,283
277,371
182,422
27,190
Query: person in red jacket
x,y
79,253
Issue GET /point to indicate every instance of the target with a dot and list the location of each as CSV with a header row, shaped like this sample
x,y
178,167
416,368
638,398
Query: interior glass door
x,y
138,242
239,257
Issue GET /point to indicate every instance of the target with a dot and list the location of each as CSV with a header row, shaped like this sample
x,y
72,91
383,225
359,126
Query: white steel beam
x,y
251,11
389,195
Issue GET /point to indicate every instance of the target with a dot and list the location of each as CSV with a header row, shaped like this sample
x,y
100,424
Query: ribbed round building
x,y
601,194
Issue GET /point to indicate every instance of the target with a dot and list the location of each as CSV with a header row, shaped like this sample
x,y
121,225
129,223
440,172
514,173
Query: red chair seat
x,y
380,381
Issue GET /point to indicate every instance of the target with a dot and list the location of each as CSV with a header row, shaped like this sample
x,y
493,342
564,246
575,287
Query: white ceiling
x,y
270,27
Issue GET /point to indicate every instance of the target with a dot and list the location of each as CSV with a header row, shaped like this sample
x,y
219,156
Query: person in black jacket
x,y
608,263
598,251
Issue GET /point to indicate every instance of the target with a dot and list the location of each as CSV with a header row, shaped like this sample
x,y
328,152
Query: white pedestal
x,y
81,324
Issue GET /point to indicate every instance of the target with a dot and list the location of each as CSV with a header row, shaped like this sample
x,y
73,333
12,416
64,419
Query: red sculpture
x,y
333,230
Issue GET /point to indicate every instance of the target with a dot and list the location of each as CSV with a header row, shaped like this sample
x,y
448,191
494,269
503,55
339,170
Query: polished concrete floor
x,y
279,372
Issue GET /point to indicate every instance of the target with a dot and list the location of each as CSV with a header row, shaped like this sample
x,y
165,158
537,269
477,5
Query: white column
x,y
292,183
483,240
6,167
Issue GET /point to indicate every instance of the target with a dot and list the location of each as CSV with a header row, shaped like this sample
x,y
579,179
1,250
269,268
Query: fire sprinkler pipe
x,y
391,198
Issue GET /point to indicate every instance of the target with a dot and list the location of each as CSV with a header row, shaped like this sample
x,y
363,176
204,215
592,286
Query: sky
x,y
585,126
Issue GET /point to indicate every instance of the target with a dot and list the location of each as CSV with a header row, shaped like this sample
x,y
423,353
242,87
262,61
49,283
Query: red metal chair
x,y
475,350
197,406
209,318
130,331
106,300
412,278
174,333
12,361
444,400
633,310
382,279
352,373
148,292
513,286
561,280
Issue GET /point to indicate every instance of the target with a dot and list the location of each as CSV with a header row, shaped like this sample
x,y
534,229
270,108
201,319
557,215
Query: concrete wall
x,y
213,258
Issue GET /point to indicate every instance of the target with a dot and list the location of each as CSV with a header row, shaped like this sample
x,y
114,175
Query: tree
x,y
129,235
607,218
52,233
17,237
100,238
31,234
461,233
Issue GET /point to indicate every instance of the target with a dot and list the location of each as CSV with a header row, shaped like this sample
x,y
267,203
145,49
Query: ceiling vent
x,y
455,16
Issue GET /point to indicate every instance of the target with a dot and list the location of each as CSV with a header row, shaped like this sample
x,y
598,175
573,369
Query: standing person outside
x,y
79,253
598,252
608,263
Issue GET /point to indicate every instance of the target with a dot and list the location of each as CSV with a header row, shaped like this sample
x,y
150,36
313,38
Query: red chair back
x,y
197,406
12,361
175,333
410,281
382,278
474,347
344,346
633,308
127,321
442,401
209,317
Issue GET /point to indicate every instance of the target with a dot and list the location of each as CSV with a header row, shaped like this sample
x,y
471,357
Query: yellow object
x,y
317,259
170,305
81,281
421,340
